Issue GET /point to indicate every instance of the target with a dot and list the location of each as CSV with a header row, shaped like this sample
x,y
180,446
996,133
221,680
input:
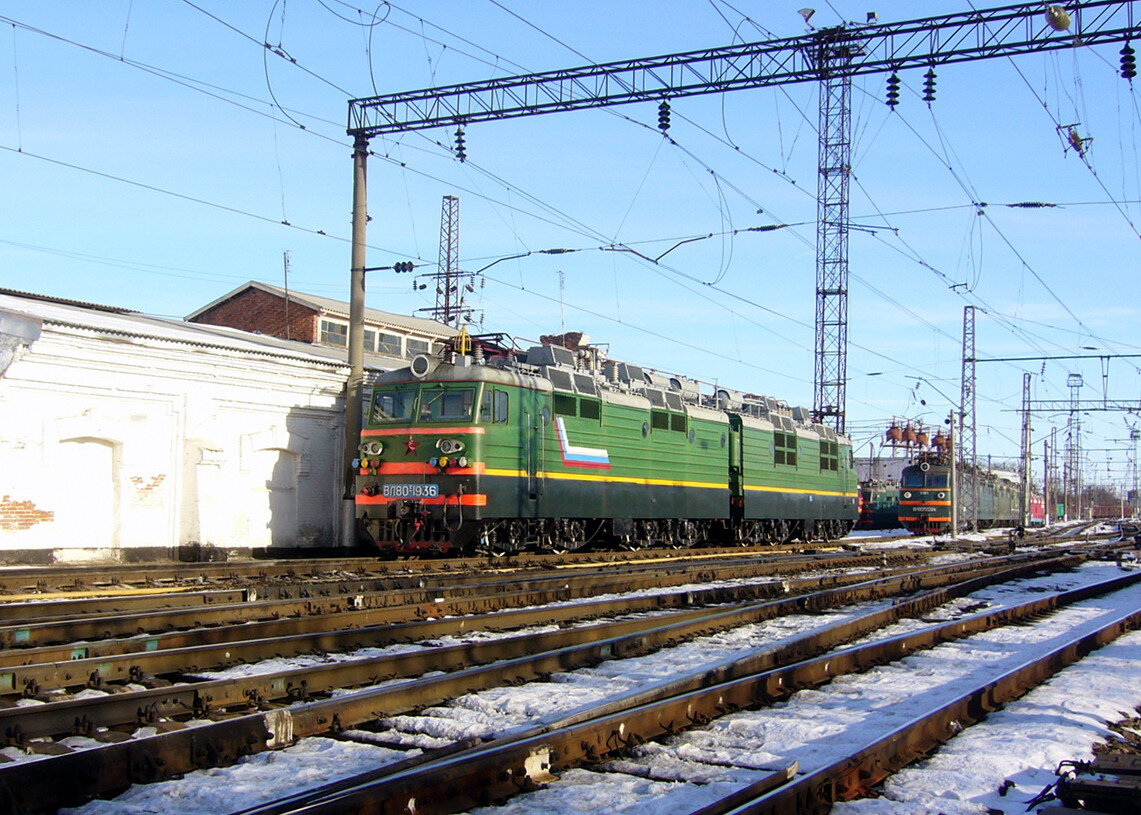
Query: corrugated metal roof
x,y
47,298
122,322
339,308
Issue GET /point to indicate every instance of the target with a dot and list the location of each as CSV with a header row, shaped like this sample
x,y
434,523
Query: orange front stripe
x,y
925,503
420,431
473,500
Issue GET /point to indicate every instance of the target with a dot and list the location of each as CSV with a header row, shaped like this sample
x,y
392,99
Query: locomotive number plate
x,y
411,490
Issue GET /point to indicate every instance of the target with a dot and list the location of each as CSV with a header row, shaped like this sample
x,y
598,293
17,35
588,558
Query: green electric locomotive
x,y
557,448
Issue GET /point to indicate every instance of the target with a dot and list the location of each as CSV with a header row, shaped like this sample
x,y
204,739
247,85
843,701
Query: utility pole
x,y
968,449
1026,452
1073,467
285,275
955,475
1054,475
354,385
1134,435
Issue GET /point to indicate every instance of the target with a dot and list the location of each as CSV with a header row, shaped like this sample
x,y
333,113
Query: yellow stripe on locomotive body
x,y
533,447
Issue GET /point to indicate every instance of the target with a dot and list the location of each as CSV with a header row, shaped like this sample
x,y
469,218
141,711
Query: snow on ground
x,y
253,780
1024,742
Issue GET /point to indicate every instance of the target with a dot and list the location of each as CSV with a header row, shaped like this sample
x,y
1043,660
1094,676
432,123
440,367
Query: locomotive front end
x,y
925,498
418,474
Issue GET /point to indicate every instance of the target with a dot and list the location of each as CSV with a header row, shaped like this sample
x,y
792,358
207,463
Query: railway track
x,y
291,704
102,580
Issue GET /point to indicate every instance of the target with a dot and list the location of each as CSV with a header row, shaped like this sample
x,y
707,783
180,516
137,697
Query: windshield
x,y
393,407
439,405
912,478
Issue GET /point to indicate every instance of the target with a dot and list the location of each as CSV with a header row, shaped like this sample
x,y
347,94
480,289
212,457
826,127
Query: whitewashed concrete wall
x,y
111,442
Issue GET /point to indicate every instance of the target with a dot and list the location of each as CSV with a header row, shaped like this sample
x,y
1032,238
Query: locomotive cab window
x,y
659,420
393,406
912,478
938,479
677,422
590,409
493,406
784,448
439,405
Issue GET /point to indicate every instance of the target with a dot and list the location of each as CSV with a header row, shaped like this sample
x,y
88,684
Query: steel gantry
x,y
832,56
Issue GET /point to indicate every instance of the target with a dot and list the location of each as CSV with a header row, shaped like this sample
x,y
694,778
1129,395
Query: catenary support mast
x,y
968,445
834,57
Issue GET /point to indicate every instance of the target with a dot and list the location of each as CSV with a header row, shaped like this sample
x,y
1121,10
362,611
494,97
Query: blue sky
x,y
153,148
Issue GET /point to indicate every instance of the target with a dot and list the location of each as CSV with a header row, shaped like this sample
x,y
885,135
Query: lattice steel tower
x,y
833,53
968,447
451,286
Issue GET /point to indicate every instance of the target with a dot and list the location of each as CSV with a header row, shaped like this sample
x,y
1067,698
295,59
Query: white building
x,y
124,436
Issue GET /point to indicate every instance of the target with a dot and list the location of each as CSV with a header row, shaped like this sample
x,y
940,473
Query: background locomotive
x,y
558,448
879,505
925,495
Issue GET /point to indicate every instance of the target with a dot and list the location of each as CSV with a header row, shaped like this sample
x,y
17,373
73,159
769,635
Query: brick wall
x,y
16,515
256,310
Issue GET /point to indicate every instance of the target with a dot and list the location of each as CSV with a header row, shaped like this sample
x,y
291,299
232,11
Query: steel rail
x,y
855,775
38,579
412,603
79,670
521,762
69,778
602,640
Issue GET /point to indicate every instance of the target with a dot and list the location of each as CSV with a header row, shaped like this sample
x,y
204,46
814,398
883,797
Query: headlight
x,y
449,446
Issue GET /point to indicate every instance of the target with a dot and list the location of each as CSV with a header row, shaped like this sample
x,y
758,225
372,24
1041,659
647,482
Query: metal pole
x,y
833,50
1046,483
954,477
354,385
1026,453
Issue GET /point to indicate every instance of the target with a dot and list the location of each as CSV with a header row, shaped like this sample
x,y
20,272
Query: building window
x,y
414,347
784,448
334,333
389,344
369,340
